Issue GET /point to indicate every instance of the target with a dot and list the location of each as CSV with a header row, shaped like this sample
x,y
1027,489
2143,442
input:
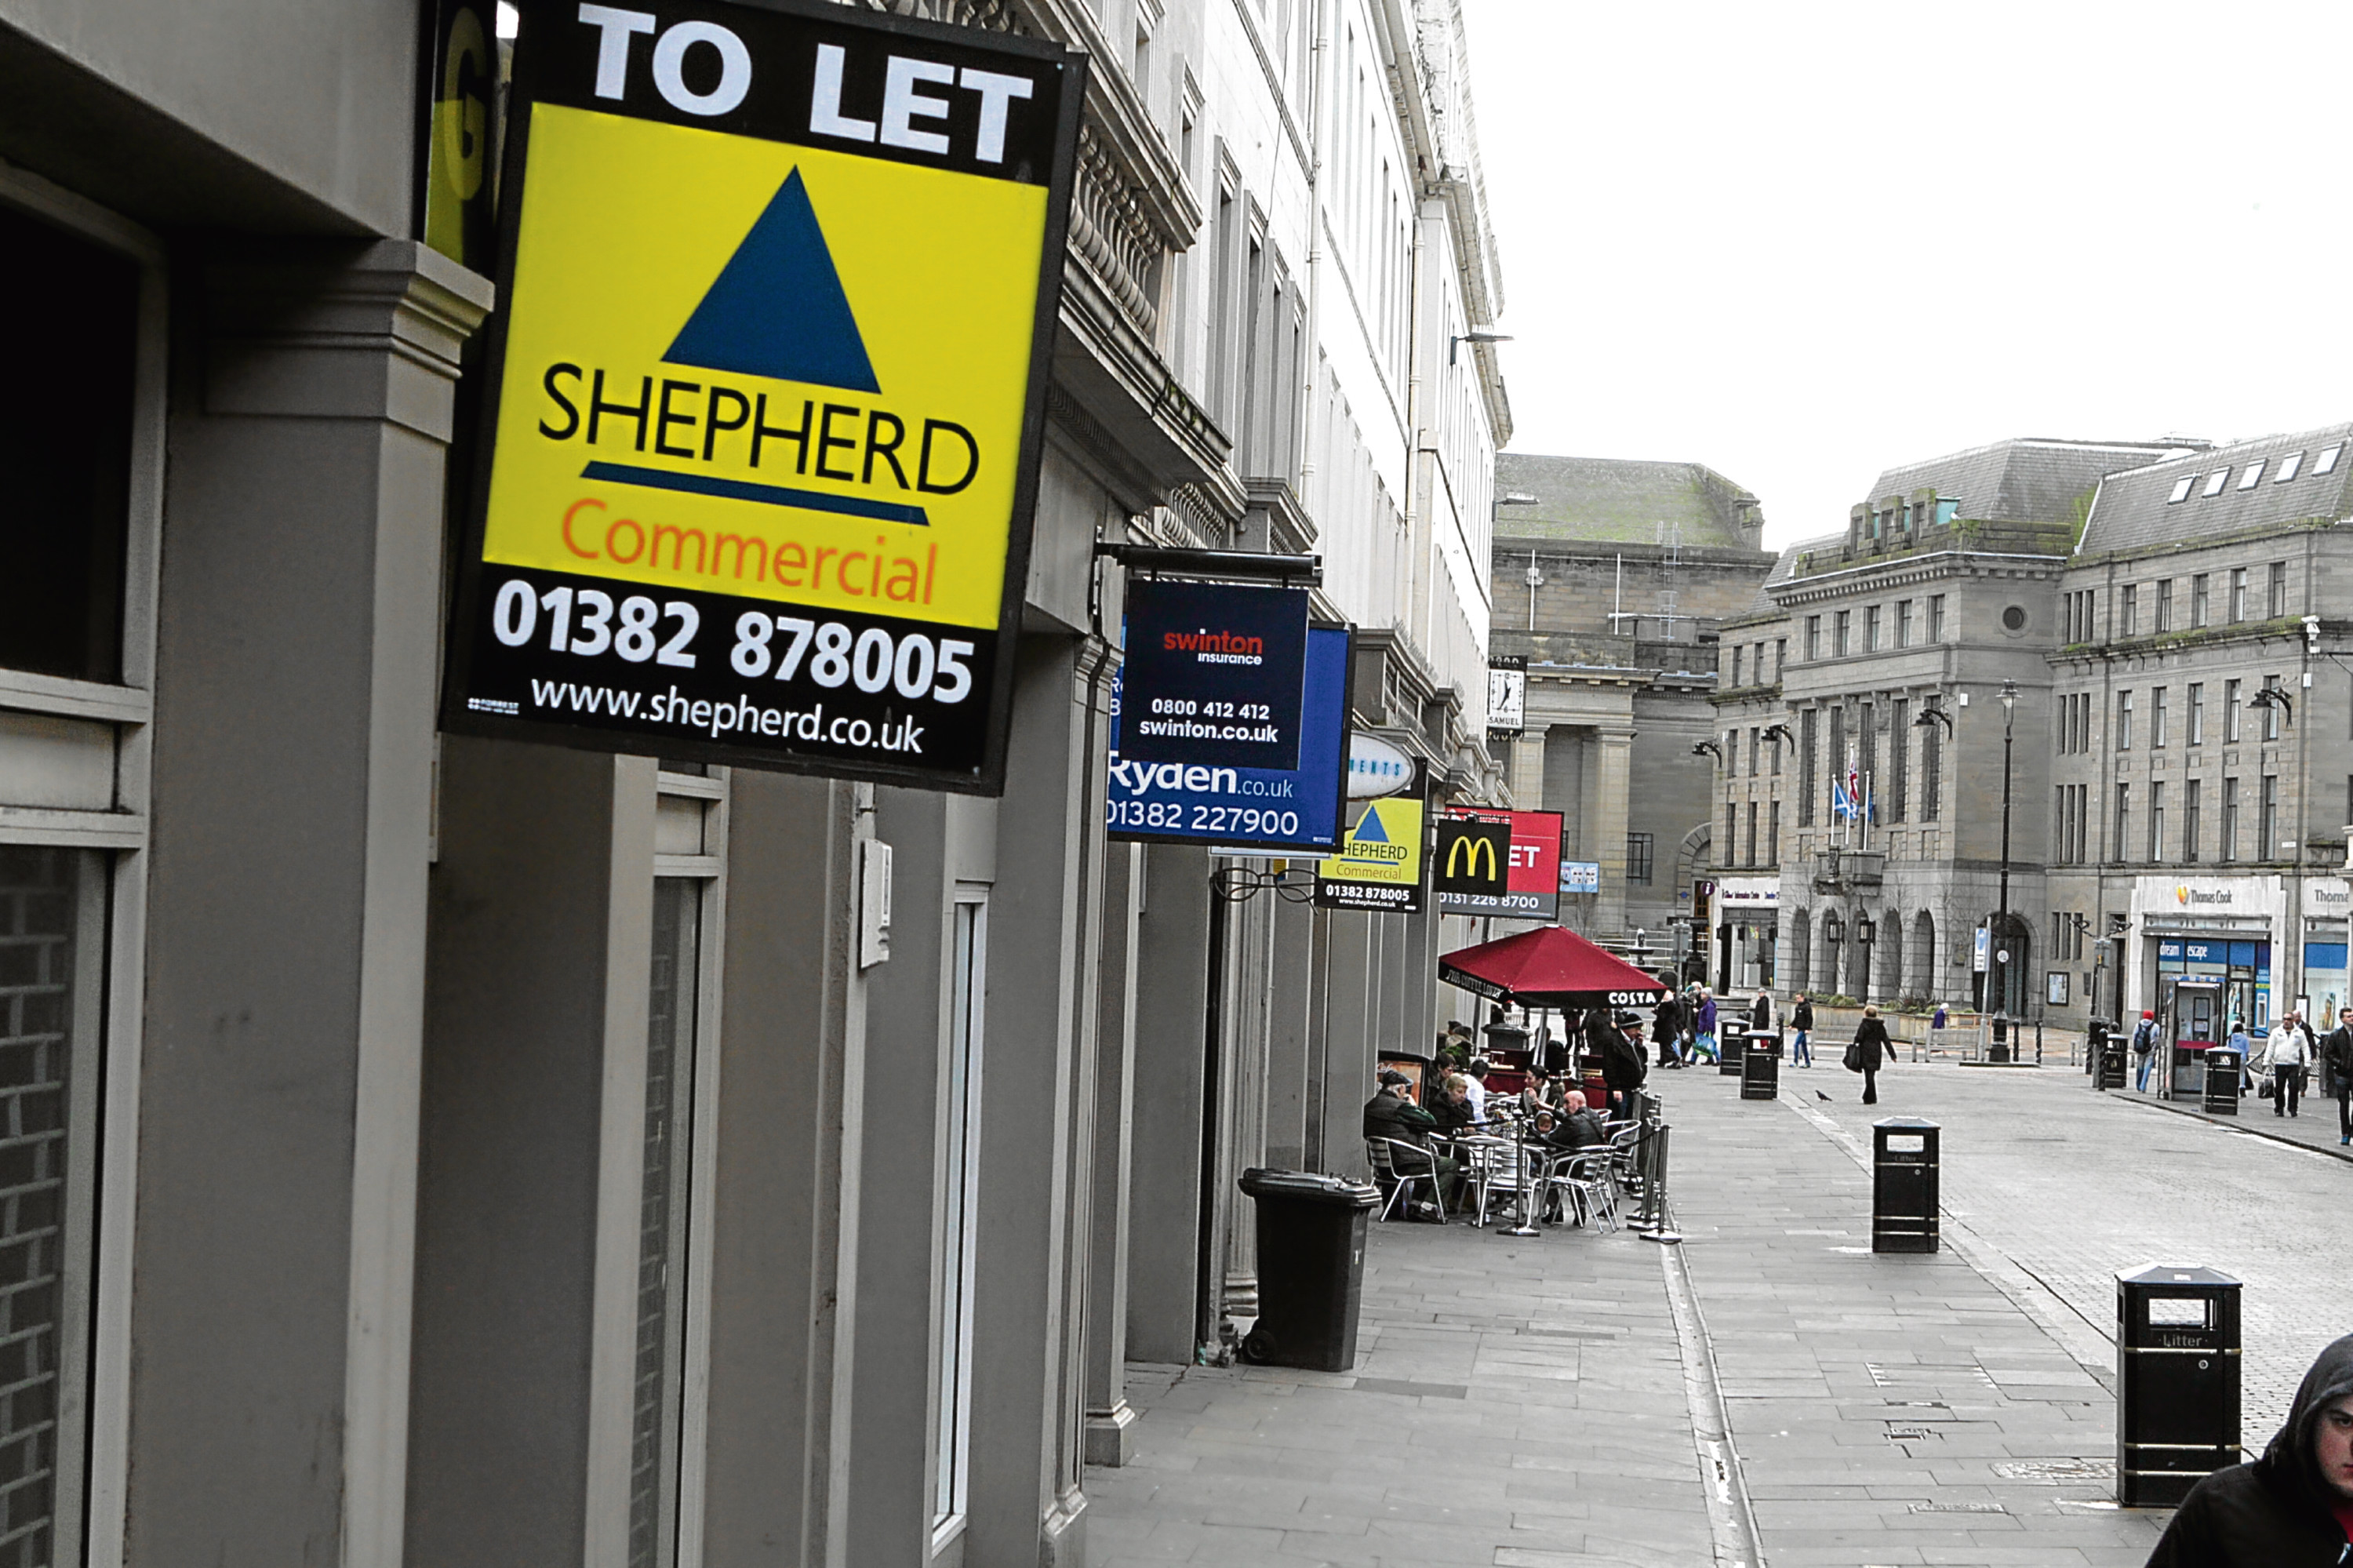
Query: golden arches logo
x,y
1476,847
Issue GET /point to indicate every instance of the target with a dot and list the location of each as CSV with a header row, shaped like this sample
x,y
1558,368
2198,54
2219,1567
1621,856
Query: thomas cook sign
x,y
768,382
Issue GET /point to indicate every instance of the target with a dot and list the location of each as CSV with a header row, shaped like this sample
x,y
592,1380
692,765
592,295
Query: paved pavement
x,y
2313,1127
1532,1404
1518,1403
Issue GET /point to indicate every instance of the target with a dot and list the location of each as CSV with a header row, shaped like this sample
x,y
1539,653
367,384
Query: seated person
x,y
1453,1107
1475,1084
1391,1114
1576,1128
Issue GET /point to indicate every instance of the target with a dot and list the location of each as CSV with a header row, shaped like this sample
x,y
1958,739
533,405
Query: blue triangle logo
x,y
777,308
1369,828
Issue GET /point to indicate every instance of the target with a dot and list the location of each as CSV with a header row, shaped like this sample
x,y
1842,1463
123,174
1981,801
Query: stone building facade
x,y
1611,579
1877,659
2202,737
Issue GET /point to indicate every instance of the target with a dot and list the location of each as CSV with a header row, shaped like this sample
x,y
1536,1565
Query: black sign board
x,y
1473,857
1214,674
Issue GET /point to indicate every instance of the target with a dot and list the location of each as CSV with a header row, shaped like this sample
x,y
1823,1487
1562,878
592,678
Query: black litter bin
x,y
2177,1381
1760,1070
1903,1185
1310,1267
1731,1041
2222,1086
2105,1047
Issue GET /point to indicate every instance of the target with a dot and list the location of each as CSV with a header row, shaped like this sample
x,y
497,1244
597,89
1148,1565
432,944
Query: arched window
x,y
1923,985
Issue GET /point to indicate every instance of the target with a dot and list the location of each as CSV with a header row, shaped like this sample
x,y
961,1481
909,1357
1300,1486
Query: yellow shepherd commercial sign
x,y
769,373
1379,865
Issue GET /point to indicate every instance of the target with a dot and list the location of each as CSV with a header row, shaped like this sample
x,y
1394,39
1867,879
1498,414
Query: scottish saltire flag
x,y
1842,801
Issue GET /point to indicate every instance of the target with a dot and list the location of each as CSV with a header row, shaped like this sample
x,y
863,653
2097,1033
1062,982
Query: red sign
x,y
1532,881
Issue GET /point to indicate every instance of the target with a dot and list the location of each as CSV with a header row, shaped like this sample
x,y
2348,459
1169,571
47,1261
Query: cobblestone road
x,y
2073,1186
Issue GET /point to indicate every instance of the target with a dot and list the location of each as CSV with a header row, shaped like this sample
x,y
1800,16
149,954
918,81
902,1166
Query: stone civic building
x,y
2136,602
1611,579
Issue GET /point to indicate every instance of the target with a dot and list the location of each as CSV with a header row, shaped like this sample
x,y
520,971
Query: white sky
x,y
1804,243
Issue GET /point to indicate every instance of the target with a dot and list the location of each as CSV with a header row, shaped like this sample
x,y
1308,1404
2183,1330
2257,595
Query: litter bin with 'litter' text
x,y
1310,1267
2177,1381
1903,1153
1760,1069
1731,1045
2222,1086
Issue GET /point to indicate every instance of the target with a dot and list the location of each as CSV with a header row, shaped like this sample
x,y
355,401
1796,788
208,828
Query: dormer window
x,y
2214,482
2288,465
2253,476
2181,488
2326,462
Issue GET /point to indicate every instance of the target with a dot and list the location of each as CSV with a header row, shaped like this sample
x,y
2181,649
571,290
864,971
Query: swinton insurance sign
x,y
769,381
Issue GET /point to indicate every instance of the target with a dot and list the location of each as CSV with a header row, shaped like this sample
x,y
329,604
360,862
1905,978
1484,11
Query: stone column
x,y
1291,988
1110,1418
1611,794
1171,1049
542,945
1037,1114
278,1094
1349,1013
785,1300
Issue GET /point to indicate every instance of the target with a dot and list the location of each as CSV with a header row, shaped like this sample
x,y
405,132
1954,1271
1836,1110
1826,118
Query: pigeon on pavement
x,y
1821,1096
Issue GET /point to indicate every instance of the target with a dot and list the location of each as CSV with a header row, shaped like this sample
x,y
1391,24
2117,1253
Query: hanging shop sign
x,y
777,290
1259,809
1524,885
1215,674
1376,768
1379,864
1507,693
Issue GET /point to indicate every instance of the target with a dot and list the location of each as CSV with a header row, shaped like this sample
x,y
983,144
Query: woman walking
x,y
1871,1048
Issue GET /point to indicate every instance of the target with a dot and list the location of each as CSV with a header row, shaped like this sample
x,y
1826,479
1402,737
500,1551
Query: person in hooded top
x,y
2291,1509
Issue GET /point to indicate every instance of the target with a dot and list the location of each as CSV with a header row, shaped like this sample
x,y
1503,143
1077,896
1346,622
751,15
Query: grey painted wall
x,y
1172,974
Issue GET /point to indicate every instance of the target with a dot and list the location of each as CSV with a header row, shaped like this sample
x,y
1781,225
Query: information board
x,y
1379,865
1214,674
777,300
1300,809
1529,885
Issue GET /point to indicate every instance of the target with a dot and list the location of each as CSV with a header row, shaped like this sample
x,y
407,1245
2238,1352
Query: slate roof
x,y
1617,500
1786,566
2023,479
2136,510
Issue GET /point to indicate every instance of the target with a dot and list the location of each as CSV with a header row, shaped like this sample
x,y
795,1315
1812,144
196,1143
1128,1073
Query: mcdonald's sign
x,y
1472,856
1498,863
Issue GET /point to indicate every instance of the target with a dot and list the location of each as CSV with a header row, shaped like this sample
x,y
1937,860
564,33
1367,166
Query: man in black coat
x,y
1391,1114
2336,1054
2291,1509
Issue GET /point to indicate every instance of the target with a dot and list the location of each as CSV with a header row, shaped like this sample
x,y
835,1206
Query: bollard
x,y
2177,1381
2220,1096
1760,1072
1903,1185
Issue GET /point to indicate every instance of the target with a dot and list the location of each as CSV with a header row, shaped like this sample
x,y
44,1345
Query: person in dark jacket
x,y
2291,1509
1871,1046
1624,1068
1801,1020
2336,1052
1391,1114
1667,1023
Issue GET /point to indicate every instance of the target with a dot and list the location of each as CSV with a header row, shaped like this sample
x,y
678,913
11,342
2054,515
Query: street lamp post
x,y
2001,918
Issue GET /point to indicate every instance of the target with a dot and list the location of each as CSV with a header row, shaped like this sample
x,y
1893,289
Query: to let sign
x,y
776,300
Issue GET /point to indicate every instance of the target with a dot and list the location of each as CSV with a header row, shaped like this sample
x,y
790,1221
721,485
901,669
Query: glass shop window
x,y
66,397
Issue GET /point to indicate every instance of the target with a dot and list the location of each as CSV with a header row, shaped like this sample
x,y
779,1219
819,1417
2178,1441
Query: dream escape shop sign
x,y
767,386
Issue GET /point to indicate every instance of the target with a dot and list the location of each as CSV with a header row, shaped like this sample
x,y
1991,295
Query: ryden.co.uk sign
x,y
776,300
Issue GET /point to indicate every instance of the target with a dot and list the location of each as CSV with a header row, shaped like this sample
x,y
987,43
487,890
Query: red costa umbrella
x,y
1550,967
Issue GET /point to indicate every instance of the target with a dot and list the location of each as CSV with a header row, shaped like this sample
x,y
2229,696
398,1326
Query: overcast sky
x,y
1804,243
